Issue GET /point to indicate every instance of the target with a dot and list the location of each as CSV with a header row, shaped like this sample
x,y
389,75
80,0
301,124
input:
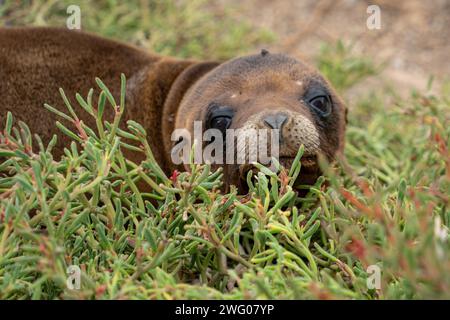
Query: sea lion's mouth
x,y
307,161
244,169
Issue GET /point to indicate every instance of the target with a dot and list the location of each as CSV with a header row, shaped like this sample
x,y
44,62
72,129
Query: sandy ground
x,y
413,41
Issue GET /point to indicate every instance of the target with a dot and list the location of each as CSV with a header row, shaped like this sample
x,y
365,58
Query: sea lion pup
x,y
265,90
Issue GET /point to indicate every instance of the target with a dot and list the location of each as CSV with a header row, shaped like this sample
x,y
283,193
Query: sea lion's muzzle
x,y
292,128
285,128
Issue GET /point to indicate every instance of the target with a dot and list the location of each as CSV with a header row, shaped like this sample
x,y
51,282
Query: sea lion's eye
x,y
220,118
319,100
321,105
220,122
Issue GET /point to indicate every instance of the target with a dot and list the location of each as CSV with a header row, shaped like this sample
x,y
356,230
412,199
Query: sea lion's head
x,y
267,91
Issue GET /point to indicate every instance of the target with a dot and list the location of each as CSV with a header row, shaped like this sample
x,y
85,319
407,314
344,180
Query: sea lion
x,y
264,90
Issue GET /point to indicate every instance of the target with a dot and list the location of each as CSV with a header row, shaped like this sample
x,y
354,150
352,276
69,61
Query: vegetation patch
x,y
386,205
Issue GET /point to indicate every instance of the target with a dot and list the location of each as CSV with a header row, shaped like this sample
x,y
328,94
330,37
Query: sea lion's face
x,y
269,92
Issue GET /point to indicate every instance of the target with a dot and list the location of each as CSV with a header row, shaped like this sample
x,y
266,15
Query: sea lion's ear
x,y
346,115
182,83
185,80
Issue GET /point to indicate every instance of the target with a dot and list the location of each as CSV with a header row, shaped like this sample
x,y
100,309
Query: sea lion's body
x,y
166,93
36,62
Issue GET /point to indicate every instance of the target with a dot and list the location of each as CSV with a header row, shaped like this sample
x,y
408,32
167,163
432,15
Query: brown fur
x,y
36,62
162,93
260,85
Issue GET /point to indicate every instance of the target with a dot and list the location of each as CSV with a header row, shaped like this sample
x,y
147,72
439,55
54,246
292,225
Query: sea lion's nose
x,y
275,121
